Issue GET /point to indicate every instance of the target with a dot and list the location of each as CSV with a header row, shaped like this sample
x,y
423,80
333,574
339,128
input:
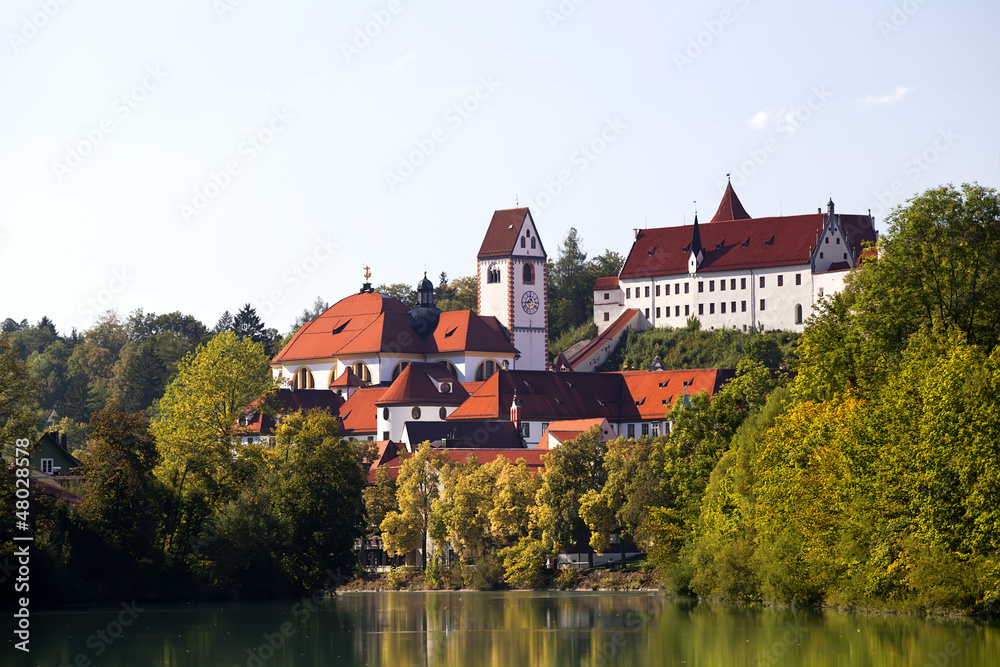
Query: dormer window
x,y
445,387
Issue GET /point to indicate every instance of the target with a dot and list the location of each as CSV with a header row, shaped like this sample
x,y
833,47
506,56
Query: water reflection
x,y
503,630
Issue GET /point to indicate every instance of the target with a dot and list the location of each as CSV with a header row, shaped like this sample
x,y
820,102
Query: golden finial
x,y
368,272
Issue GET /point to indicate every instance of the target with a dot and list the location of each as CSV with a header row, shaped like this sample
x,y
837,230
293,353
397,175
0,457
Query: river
x,y
509,629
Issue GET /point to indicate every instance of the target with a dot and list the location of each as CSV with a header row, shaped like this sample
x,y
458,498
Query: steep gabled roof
x,y
358,414
414,386
465,435
581,354
859,230
348,379
459,330
503,232
730,208
728,245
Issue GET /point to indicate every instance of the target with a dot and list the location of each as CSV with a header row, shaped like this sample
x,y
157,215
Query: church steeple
x,y
424,318
697,252
730,208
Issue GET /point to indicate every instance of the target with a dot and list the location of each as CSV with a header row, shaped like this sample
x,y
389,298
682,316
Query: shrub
x,y
524,563
485,575
567,579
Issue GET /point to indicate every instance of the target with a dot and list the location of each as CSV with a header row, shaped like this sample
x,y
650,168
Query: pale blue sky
x,y
800,101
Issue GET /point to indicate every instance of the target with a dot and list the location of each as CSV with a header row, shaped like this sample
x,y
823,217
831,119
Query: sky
x,y
198,155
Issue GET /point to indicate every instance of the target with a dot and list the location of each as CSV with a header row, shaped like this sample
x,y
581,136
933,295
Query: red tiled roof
x,y
48,487
286,402
730,208
502,234
414,386
581,355
358,414
533,458
617,397
566,430
653,392
859,230
371,323
348,379
608,283
728,245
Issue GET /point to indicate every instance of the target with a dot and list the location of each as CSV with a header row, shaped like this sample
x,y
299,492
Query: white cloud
x,y
782,119
759,119
885,100
399,64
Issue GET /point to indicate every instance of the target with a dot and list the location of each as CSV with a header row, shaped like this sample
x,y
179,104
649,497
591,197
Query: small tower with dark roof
x,y
697,251
424,318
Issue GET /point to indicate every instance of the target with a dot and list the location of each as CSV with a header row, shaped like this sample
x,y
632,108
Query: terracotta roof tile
x,y
503,232
359,414
581,354
414,386
730,208
608,283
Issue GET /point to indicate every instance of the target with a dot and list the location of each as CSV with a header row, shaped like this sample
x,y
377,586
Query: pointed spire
x,y
696,246
730,208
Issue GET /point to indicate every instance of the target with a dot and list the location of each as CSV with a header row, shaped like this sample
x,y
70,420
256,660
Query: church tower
x,y
513,284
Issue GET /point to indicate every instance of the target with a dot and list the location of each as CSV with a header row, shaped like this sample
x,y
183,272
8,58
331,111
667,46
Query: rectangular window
x,y
781,280
606,296
838,240
656,429
701,285
677,311
743,306
647,313
525,429
668,311
385,435
701,309
647,291
628,292
677,288
657,290
47,466
687,288
723,306
711,285
743,283
657,311
732,283
687,310
828,240
631,431
545,425
722,285
711,309
762,304
798,278
733,304
762,281
645,428
821,255
607,317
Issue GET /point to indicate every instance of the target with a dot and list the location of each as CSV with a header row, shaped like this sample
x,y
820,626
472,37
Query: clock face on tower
x,y
529,302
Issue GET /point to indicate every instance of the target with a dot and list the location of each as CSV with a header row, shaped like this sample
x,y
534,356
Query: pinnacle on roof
x,y
730,208
696,246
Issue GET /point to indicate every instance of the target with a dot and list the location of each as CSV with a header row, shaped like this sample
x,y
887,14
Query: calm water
x,y
501,630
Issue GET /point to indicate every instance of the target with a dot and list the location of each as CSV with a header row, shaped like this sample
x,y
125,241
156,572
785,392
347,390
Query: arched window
x,y
529,274
485,370
522,241
303,379
360,369
399,369
493,274
798,313
532,242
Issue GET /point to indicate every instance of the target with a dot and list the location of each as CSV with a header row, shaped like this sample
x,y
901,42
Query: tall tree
x,y
571,293
118,468
19,391
417,488
320,497
196,426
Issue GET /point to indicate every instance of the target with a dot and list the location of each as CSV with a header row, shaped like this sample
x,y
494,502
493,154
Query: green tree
x,y
400,292
19,391
463,510
571,290
458,294
196,426
407,528
571,470
120,489
510,516
320,498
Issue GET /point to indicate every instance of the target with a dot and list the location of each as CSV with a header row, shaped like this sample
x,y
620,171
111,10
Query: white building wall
x,y
608,306
711,297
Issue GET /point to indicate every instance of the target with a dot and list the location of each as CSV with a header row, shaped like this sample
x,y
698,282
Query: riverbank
x,y
466,578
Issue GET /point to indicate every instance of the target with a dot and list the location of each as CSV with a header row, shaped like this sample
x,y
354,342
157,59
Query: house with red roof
x,y
735,271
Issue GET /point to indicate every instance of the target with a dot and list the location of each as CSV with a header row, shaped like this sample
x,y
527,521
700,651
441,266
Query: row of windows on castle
x,y
711,310
527,274
303,378
711,286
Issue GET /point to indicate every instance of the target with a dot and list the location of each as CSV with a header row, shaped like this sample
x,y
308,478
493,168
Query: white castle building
x,y
734,271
